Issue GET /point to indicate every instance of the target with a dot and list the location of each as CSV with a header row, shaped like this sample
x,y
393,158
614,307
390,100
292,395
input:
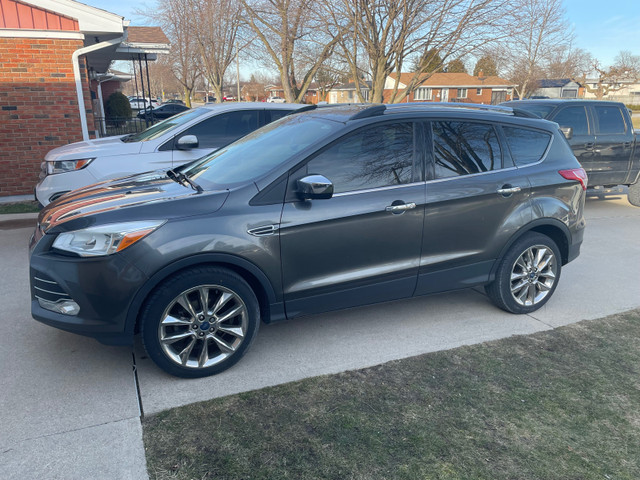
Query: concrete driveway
x,y
70,407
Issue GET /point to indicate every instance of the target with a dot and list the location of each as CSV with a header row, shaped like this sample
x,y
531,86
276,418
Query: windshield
x,y
541,110
261,151
161,128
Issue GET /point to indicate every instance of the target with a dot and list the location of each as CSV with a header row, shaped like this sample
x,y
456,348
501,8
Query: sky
x,y
602,28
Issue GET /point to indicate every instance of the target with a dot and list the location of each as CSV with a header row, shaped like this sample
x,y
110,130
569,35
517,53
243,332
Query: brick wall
x,y
38,107
436,95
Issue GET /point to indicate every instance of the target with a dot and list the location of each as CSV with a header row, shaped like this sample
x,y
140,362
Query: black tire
x,y
634,194
174,313
537,285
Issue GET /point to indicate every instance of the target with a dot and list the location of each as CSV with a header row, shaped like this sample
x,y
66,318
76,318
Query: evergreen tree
x,y
456,66
487,65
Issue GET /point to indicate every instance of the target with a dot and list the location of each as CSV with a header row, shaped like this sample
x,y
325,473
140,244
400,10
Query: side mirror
x,y
187,142
567,132
315,187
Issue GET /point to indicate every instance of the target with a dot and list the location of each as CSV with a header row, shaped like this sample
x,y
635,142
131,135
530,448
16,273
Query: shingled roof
x,y
151,35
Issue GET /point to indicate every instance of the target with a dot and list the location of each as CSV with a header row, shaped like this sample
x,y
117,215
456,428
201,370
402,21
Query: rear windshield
x,y
541,110
261,151
161,128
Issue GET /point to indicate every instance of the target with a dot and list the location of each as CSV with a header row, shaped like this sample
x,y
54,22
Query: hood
x,y
94,148
147,196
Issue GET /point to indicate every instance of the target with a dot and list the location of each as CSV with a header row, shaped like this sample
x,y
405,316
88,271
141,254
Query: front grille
x,y
48,289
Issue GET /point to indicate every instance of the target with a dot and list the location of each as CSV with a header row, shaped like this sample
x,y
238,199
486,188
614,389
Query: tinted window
x,y
225,128
462,148
277,114
527,146
610,120
541,110
165,126
370,158
574,117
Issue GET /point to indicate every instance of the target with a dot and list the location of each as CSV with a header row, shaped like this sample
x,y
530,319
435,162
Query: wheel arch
x,y
552,228
253,275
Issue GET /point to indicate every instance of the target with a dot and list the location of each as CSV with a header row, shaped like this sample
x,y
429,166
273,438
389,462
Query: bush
x,y
117,106
635,108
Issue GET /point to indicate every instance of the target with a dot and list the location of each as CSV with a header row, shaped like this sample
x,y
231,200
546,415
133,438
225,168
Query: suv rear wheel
x,y
634,194
200,322
527,275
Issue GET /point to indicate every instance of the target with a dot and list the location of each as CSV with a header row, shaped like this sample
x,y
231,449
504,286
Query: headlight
x,y
67,165
105,239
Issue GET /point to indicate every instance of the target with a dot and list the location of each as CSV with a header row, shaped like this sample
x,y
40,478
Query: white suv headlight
x,y
61,166
105,239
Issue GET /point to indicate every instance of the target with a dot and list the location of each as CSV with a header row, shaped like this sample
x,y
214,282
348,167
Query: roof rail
x,y
475,106
372,111
306,108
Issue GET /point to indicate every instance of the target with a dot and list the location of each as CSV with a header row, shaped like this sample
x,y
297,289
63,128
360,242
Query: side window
x,y
225,128
574,117
527,146
463,148
373,157
610,120
276,115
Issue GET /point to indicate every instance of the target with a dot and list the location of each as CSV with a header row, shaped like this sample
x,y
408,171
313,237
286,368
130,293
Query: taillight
x,y
577,174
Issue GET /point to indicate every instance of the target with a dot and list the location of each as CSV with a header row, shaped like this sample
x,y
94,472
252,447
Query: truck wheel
x,y
634,194
527,275
200,322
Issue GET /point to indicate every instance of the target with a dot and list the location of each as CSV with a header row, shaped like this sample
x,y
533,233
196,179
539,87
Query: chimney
x,y
480,75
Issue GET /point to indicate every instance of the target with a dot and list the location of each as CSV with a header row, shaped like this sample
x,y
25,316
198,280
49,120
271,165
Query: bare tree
x,y
540,29
625,70
216,24
390,32
292,35
175,18
569,62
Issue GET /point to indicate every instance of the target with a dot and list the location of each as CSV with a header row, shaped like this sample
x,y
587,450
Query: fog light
x,y
66,307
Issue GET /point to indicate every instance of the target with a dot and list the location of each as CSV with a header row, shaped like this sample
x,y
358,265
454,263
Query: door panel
x,y
363,244
613,146
349,250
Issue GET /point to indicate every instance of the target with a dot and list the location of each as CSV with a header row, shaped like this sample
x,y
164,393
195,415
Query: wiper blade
x,y
127,138
181,178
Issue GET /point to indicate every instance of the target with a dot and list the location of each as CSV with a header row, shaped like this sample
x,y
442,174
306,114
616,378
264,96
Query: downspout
x,y
76,73
101,103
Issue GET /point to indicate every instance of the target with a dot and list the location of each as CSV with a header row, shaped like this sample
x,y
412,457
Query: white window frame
x,y
462,93
423,93
478,91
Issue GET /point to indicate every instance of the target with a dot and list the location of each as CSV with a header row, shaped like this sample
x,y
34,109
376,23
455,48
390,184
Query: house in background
x,y
625,91
311,96
452,87
54,55
346,92
559,88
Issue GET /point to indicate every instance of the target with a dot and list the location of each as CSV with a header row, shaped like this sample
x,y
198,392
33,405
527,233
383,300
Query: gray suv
x,y
331,208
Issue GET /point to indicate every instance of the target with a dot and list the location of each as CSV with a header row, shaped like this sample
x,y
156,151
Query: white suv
x,y
167,144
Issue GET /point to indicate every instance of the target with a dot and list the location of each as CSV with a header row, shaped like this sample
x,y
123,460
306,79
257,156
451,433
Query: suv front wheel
x,y
527,275
200,322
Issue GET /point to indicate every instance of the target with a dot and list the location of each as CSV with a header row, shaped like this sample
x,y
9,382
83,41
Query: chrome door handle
x,y
509,191
400,208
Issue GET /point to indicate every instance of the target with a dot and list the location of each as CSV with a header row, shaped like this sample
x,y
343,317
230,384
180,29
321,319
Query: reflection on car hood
x,y
143,190
94,148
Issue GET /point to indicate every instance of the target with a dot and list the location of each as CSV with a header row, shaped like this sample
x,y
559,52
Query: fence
x,y
109,126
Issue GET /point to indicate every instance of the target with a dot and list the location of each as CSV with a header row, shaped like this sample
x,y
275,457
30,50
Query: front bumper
x,y
103,287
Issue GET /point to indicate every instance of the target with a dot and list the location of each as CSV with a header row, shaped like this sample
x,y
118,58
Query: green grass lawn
x,y
562,404
636,121
20,207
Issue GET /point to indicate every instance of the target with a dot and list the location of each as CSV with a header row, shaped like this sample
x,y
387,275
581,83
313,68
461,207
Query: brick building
x,y
49,52
453,87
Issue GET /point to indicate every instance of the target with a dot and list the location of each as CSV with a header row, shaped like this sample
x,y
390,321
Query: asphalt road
x,y
70,408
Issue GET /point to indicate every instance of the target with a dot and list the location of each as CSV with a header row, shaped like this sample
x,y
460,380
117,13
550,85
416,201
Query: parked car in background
x,y
163,111
172,142
275,100
139,103
601,136
331,208
174,100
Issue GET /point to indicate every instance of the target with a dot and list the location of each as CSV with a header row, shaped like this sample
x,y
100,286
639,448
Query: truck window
x,y
574,117
610,120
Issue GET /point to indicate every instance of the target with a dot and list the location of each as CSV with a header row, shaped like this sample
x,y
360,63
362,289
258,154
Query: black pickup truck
x,y
602,138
